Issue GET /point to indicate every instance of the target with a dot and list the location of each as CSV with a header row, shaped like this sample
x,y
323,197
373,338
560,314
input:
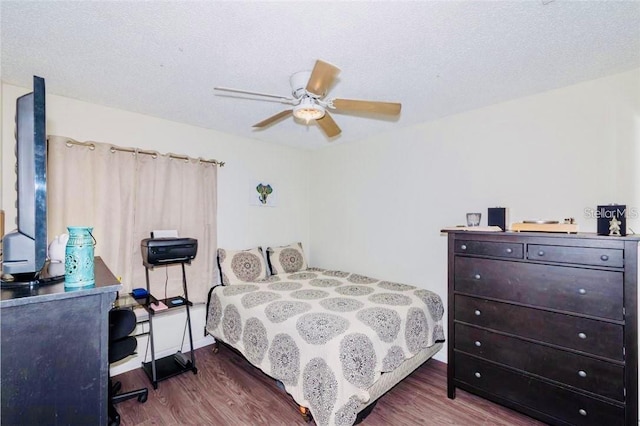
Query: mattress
x,y
335,340
392,378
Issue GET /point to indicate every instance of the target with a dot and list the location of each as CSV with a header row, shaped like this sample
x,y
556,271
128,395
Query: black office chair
x,y
122,322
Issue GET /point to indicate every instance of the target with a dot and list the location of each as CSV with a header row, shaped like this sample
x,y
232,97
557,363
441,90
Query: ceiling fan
x,y
308,89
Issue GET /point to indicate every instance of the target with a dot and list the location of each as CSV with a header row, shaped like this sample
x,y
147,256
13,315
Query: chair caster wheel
x,y
142,398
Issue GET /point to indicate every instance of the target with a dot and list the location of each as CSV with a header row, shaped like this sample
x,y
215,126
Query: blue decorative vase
x,y
78,259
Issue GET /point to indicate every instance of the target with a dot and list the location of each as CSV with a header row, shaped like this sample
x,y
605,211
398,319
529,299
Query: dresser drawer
x,y
565,405
490,248
582,334
583,372
577,255
557,287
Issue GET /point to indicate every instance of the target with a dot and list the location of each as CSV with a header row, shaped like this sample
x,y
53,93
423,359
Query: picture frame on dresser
x,y
545,324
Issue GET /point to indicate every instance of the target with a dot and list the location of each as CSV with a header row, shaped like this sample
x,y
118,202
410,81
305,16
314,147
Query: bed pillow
x,y
286,259
241,266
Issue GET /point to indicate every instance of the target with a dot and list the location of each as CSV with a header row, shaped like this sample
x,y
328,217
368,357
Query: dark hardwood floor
x,y
229,391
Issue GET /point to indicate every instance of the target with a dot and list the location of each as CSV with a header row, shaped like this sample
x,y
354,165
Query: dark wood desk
x,y
54,352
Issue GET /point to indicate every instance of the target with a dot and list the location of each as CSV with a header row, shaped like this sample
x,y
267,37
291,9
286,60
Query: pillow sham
x,y
240,266
286,259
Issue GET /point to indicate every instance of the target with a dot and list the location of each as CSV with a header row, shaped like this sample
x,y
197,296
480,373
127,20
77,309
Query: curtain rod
x,y
154,154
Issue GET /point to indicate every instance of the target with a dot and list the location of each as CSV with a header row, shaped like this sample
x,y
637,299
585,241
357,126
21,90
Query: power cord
x,y
166,281
184,334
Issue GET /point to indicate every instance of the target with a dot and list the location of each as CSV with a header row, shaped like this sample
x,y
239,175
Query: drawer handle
x,y
477,313
582,335
604,257
509,250
463,247
476,277
582,291
582,412
582,373
477,374
540,253
478,343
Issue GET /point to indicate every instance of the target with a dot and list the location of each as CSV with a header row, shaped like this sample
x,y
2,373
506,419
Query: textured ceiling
x,y
437,58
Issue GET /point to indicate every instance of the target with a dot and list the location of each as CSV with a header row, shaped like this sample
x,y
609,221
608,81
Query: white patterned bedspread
x,y
326,335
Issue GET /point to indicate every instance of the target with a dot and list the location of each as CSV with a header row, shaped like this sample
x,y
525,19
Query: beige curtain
x,y
125,196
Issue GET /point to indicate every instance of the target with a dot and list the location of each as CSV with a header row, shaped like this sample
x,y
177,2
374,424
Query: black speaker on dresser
x,y
498,216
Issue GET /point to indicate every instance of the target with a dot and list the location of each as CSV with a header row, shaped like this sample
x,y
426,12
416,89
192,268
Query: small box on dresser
x,y
546,324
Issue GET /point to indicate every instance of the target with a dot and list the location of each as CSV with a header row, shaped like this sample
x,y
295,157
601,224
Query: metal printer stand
x,y
172,365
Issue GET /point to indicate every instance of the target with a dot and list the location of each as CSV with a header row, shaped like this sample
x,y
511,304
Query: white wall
x,y
378,205
240,225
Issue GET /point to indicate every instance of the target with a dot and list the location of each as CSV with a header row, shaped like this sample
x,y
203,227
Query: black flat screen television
x,y
24,250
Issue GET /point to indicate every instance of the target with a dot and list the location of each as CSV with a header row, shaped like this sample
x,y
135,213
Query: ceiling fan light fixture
x,y
308,90
308,110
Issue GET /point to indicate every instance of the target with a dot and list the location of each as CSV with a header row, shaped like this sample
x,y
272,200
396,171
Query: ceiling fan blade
x,y
279,116
328,126
367,106
321,78
247,92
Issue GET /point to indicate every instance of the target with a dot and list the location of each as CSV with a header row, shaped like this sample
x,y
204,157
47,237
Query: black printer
x,y
163,251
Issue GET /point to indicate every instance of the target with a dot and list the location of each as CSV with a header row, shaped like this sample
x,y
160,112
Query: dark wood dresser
x,y
54,368
546,324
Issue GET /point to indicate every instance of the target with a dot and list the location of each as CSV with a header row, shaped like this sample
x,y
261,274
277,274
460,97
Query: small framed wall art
x,y
264,194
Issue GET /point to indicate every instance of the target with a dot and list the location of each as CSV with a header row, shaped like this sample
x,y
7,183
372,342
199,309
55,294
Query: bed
x,y
335,341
